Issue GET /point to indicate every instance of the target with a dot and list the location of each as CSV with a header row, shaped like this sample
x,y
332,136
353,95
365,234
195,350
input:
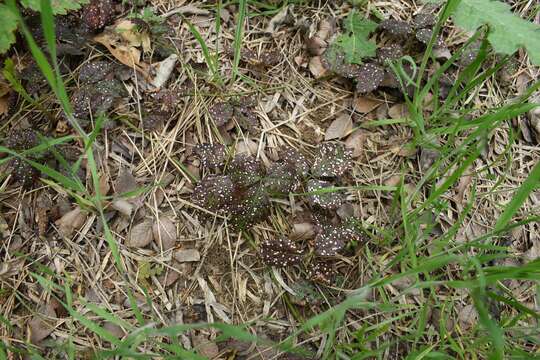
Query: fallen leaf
x,y
355,142
205,347
39,327
126,54
129,32
125,182
11,268
280,18
461,187
398,111
123,206
467,317
141,234
114,329
364,104
164,232
316,67
302,231
164,70
187,255
71,221
339,128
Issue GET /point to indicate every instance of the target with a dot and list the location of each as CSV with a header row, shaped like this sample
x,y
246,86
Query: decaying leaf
x,y
141,234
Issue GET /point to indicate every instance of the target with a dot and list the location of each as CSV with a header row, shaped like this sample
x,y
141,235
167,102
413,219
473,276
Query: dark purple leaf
x,y
97,14
389,53
221,113
396,27
322,272
249,208
423,20
280,252
214,193
332,160
245,170
211,155
334,239
369,77
322,195
22,139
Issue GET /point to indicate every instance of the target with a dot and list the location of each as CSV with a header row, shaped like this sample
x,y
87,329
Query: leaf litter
x,y
212,239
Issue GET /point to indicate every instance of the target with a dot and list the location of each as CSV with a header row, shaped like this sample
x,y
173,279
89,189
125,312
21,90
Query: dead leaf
x,y
123,206
164,232
39,327
141,234
316,67
129,32
467,317
126,54
187,255
280,18
302,231
164,70
339,128
205,347
398,111
114,329
11,268
4,105
462,187
71,222
125,182
364,105
356,142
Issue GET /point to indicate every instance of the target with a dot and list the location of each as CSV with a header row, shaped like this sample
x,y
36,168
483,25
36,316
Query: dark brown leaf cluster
x,y
241,110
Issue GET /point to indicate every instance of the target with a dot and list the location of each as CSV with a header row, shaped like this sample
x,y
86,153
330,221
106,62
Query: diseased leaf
x,y
507,32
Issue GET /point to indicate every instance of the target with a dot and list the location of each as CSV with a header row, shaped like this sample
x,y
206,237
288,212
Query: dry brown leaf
x,y
71,221
126,54
4,105
339,128
467,317
141,234
205,347
356,142
114,329
187,255
39,327
364,104
123,206
164,232
398,111
303,231
316,67
129,32
125,182
11,268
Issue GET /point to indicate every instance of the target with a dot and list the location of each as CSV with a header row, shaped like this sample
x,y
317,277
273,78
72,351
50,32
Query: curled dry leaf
x,y
114,329
124,53
316,67
164,232
71,221
132,34
398,111
355,142
282,17
303,231
339,128
141,234
164,70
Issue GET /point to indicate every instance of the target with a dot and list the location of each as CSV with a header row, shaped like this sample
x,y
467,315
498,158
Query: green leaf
x,y
356,48
59,7
8,25
507,32
355,45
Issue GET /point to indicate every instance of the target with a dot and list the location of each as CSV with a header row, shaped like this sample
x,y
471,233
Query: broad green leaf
x,y
507,32
356,48
355,45
8,25
59,7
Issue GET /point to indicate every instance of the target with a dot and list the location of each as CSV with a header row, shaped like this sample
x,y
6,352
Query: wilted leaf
x,y
316,67
205,347
141,234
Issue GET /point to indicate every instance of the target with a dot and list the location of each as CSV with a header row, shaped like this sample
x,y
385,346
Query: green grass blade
x,y
238,37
